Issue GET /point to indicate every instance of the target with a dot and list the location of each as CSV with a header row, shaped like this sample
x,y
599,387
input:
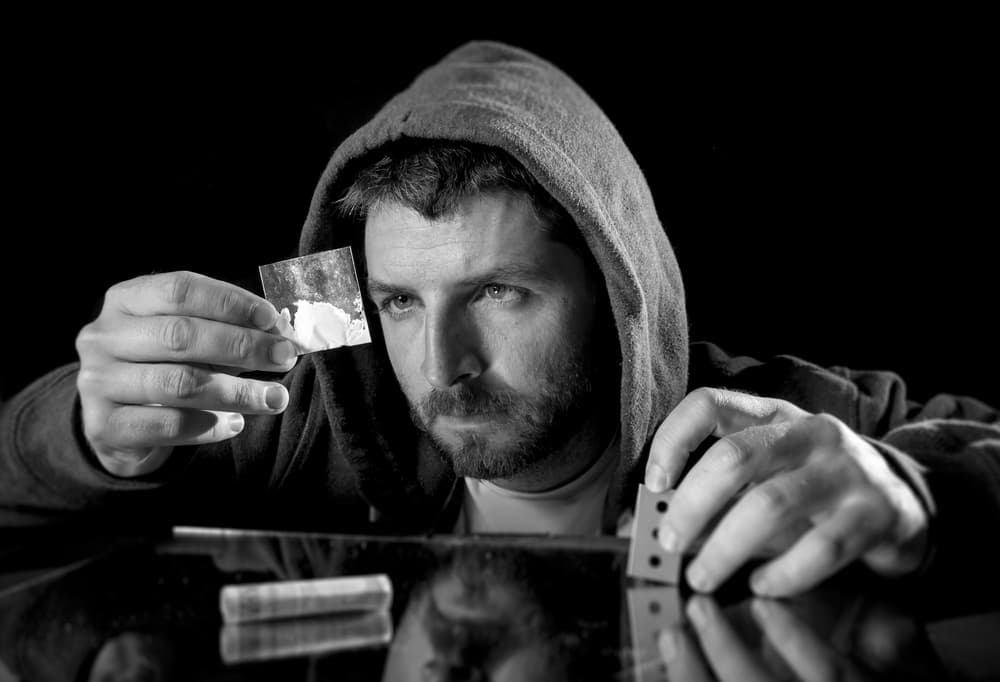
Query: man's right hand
x,y
160,367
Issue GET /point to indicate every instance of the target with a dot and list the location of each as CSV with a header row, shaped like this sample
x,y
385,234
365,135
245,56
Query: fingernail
x,y
276,397
697,612
282,353
698,578
263,316
668,645
236,422
668,538
656,478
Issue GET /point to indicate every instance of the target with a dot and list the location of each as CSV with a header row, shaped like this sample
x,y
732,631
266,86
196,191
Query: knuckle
x,y
86,339
831,550
112,428
176,334
118,291
231,306
135,427
830,429
783,410
241,394
773,499
166,426
241,345
182,382
177,287
703,396
87,381
732,454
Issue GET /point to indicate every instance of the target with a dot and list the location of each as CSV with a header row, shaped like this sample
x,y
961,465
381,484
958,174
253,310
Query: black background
x,y
829,186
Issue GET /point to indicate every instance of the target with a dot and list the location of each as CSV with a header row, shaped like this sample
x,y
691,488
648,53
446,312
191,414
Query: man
x,y
505,226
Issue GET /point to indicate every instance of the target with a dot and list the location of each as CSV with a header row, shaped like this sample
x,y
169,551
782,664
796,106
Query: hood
x,y
494,94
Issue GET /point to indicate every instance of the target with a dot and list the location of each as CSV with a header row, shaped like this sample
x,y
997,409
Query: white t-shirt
x,y
574,508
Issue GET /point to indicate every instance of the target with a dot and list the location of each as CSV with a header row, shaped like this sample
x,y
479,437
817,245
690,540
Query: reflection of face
x,y
486,322
474,621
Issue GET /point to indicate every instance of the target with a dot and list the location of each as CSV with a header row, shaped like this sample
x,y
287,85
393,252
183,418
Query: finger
x,y
905,545
829,546
138,427
238,371
190,294
724,469
763,512
809,657
193,340
185,386
726,652
885,636
702,413
683,659
132,463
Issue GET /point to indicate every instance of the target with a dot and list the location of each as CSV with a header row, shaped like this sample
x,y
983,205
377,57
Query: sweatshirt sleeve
x,y
46,468
48,473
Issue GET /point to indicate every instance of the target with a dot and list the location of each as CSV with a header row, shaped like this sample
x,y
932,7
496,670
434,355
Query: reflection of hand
x,y
288,558
809,480
790,648
159,368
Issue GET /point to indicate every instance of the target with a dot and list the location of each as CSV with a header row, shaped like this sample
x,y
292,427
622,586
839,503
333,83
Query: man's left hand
x,y
804,483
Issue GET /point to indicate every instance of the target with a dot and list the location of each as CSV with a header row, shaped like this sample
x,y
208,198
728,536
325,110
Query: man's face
x,y
488,324
478,618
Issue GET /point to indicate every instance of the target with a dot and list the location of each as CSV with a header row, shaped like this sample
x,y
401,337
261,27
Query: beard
x,y
483,610
522,430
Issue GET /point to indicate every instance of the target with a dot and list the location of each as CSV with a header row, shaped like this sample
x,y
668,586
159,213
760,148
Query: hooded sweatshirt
x,y
345,456
500,96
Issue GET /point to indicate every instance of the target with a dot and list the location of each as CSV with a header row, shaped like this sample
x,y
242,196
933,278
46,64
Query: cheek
x,y
527,348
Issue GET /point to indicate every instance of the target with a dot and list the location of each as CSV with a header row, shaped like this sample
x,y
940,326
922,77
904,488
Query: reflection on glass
x,y
463,608
270,640
503,616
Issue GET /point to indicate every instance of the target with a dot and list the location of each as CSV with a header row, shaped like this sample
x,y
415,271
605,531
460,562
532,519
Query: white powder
x,y
320,325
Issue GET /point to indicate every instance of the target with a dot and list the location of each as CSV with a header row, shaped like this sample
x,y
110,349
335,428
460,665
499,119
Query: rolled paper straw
x,y
296,598
269,640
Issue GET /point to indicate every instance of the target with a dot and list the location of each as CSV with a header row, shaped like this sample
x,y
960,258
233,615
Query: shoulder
x,y
799,381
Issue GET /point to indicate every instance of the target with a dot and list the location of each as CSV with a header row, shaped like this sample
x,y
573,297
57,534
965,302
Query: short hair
x,y
433,177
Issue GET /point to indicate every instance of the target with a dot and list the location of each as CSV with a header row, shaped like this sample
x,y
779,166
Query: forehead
x,y
485,231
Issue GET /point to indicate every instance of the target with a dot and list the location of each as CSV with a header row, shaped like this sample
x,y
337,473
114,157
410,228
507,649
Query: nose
x,y
452,352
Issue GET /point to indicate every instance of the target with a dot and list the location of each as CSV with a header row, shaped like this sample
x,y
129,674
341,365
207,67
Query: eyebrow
x,y
498,274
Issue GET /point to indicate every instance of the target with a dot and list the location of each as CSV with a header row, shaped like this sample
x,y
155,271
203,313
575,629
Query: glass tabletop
x,y
457,608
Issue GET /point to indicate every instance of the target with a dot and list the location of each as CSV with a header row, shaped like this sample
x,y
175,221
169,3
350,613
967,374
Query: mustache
x,y
465,401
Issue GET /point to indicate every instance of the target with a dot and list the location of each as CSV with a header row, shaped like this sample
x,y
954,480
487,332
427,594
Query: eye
x,y
396,306
500,292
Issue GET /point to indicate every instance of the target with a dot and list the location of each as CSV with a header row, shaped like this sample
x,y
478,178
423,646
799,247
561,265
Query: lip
x,y
471,421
